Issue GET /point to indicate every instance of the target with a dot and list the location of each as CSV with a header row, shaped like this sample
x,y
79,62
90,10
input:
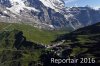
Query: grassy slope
x,y
8,46
85,42
22,53
31,33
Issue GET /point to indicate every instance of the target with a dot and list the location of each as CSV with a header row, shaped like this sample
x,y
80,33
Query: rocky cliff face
x,y
39,13
85,15
47,14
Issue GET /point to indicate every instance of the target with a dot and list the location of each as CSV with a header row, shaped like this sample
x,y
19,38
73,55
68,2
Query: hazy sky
x,y
92,3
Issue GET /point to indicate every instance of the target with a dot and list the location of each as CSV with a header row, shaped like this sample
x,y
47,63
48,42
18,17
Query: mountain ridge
x,y
84,42
45,15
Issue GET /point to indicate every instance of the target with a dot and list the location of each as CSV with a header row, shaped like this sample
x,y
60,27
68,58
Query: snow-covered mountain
x,y
39,13
85,15
57,5
47,14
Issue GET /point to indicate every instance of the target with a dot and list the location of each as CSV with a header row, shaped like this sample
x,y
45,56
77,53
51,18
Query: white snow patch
x,y
5,12
18,5
51,26
53,4
68,16
47,3
96,8
2,16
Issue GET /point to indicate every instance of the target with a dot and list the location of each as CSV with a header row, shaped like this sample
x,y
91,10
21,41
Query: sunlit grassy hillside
x,y
31,33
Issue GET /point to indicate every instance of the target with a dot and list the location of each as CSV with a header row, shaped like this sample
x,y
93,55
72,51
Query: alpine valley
x,y
34,31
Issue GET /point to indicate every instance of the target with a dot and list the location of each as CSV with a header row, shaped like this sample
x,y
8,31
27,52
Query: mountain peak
x,y
54,4
18,5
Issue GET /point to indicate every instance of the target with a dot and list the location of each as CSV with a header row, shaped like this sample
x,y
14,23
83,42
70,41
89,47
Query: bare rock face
x,y
39,13
46,14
